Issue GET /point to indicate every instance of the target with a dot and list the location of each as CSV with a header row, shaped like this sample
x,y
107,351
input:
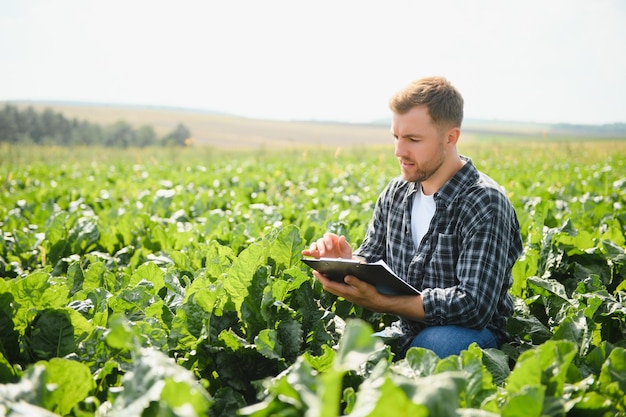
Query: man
x,y
443,226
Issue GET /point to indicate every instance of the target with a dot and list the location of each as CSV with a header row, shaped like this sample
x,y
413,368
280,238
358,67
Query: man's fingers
x,y
329,245
328,241
321,246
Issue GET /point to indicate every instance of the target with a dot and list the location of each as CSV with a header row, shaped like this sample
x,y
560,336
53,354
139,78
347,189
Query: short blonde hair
x,y
443,100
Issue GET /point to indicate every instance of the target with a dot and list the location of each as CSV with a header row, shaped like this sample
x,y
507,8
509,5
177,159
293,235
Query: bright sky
x,y
532,60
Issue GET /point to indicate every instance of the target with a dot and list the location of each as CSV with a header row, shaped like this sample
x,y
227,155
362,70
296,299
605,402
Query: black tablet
x,y
378,274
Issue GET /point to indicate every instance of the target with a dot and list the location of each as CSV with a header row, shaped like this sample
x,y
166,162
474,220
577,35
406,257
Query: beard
x,y
422,172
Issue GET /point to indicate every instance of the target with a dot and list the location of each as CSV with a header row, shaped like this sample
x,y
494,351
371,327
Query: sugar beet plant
x,y
170,284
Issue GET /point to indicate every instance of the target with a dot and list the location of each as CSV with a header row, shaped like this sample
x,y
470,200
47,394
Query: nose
x,y
400,149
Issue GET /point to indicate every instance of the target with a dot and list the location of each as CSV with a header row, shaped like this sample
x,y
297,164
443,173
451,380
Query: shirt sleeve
x,y
488,246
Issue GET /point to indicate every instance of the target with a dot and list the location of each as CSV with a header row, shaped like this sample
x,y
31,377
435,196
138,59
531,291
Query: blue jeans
x,y
451,340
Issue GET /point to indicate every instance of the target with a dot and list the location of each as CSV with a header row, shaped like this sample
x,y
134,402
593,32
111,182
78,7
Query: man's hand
x,y
329,246
352,289
357,291
367,296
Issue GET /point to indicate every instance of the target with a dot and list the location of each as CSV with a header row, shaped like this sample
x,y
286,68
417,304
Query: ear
x,y
452,137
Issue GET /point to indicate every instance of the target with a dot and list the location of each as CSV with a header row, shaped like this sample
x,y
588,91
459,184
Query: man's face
x,y
419,146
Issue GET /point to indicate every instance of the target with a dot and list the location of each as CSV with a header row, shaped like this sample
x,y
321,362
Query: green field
x,y
167,282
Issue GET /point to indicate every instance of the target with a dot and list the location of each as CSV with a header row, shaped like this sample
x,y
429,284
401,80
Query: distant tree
x,y
51,128
146,136
9,131
32,125
86,133
57,128
21,120
178,136
121,134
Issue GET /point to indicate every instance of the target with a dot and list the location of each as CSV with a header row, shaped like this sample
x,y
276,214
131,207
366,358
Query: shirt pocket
x,y
442,265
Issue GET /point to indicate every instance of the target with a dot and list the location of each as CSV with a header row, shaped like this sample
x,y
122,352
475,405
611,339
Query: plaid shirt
x,y
463,264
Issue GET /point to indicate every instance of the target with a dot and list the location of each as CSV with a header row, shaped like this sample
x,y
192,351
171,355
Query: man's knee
x,y
451,340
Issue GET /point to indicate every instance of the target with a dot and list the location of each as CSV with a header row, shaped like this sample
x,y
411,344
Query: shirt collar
x,y
460,181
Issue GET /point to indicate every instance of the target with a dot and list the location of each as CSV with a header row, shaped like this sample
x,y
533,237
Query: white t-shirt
x,y
421,214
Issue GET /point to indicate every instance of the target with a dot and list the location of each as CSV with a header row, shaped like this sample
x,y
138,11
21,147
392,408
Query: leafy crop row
x,y
153,284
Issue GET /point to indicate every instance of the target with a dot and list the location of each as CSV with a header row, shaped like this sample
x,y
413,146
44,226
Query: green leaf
x,y
286,248
616,253
178,397
135,302
242,271
7,372
191,319
32,388
576,329
9,342
322,362
422,362
151,273
36,292
596,357
22,408
612,379
98,275
72,380
326,398
528,328
547,287
267,344
226,402
295,393
478,380
156,380
545,366
56,237
290,337
526,266
497,362
75,277
525,402
356,346
472,412
594,403
84,235
251,311
379,394
121,335
233,341
219,258
56,333
439,394
99,298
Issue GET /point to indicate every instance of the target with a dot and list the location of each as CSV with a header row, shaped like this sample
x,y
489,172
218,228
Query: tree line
x,y
611,129
48,127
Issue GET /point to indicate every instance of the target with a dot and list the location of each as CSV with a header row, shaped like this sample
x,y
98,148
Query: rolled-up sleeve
x,y
468,293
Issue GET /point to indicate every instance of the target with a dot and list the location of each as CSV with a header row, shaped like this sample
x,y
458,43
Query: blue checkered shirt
x,y
463,263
